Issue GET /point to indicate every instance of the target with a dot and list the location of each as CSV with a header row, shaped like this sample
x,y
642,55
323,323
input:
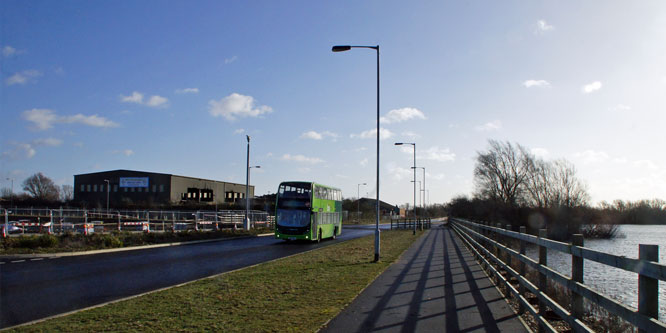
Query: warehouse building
x,y
130,187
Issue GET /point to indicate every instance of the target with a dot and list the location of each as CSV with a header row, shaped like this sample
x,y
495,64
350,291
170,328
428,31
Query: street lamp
x,y
424,187
247,187
414,146
358,198
108,189
341,48
11,195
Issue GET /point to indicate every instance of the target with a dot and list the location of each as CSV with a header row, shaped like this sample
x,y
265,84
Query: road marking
x,y
36,259
2,263
17,261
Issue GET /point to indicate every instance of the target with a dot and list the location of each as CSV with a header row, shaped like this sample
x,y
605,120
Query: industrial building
x,y
128,187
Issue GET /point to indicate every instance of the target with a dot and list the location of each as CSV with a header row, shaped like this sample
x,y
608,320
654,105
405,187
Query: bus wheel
x,y
335,232
319,238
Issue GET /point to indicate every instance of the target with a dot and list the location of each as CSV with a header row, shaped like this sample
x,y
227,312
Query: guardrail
x,y
492,247
61,221
410,223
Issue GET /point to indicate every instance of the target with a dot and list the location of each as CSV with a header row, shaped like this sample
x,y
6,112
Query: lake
x,y
616,283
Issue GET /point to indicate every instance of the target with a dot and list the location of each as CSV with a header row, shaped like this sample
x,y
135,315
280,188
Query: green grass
x,y
69,242
294,294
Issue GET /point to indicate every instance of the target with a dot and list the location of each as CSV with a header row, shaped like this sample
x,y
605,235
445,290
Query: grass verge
x,y
294,294
70,242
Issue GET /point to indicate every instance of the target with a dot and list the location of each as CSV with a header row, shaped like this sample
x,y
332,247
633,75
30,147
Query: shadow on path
x,y
435,286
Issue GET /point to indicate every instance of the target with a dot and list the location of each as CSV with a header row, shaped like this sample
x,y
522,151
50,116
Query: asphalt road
x,y
39,288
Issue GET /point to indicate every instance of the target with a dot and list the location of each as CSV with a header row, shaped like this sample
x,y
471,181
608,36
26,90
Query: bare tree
x,y
41,187
569,191
500,172
6,193
66,193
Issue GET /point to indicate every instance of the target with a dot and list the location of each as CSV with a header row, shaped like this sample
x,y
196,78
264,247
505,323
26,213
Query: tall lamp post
x,y
424,188
11,195
414,168
342,48
358,198
108,189
247,186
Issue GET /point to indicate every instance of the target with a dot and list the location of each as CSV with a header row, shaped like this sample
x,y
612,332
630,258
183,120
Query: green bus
x,y
307,210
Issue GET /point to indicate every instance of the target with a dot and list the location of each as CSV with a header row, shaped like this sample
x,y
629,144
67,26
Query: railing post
x,y
543,261
577,308
507,240
498,240
648,288
521,270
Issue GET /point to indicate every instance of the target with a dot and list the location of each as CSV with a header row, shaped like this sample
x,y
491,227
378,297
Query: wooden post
x,y
521,270
498,239
577,308
648,288
507,241
543,282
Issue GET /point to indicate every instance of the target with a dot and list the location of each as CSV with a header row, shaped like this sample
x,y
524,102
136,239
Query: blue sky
x,y
174,87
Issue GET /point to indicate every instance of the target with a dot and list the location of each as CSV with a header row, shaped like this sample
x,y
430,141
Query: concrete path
x,y
436,286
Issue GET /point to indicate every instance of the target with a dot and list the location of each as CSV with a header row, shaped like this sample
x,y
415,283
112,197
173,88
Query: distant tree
x,y
66,193
500,172
41,187
5,193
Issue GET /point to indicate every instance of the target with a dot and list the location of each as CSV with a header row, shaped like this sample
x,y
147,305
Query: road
x,y
36,289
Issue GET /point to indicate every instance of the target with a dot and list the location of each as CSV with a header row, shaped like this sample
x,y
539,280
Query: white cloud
x,y
621,108
53,142
94,120
536,83
411,135
370,134
230,60
364,162
592,87
44,119
646,164
239,131
590,156
399,173
187,91
542,27
237,105
19,151
8,51
126,152
318,136
23,77
304,170
302,159
436,154
41,118
490,126
400,115
439,176
157,101
539,152
135,97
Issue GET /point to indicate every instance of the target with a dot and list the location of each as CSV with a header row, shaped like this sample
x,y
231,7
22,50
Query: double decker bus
x,y
307,210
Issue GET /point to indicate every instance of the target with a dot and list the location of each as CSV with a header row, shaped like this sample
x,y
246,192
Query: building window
x,y
125,188
115,188
154,188
162,188
83,188
132,189
95,188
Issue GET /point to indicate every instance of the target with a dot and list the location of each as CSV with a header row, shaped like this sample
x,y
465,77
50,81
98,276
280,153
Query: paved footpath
x,y
436,286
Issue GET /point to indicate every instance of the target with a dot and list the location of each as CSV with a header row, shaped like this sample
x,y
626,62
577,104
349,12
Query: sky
x,y
175,86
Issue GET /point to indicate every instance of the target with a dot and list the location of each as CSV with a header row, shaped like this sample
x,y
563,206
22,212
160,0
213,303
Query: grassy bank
x,y
297,294
76,242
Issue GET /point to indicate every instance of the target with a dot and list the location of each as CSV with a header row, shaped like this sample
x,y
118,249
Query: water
x,y
616,283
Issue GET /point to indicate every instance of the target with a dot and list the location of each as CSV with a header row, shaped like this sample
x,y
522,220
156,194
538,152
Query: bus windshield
x,y
295,195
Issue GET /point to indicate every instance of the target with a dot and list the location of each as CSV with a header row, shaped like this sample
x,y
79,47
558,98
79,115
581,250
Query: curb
x,y
122,249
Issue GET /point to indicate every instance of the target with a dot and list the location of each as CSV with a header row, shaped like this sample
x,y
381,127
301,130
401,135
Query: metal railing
x,y
77,220
492,247
409,223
